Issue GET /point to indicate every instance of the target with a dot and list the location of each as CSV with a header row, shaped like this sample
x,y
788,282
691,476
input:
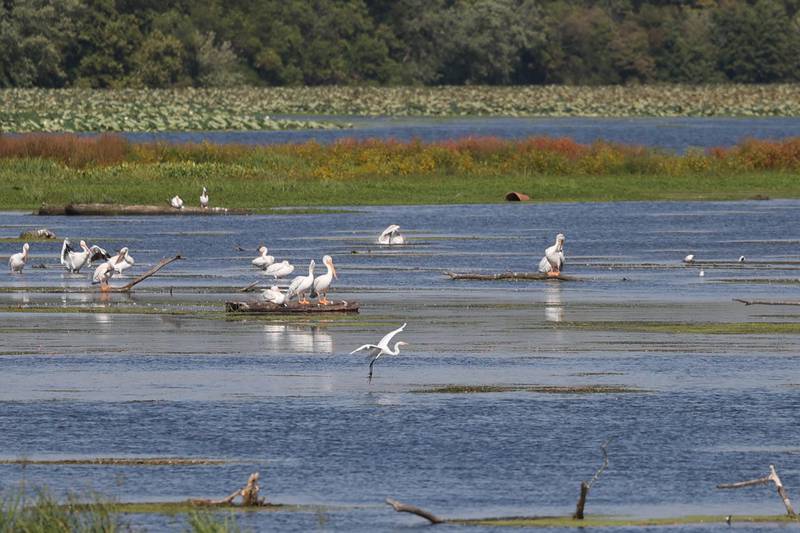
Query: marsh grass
x,y
107,169
45,514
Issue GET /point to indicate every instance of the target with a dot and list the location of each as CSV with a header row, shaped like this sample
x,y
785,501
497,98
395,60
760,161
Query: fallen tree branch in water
x,y
771,477
249,494
585,486
125,288
506,275
766,302
250,287
401,507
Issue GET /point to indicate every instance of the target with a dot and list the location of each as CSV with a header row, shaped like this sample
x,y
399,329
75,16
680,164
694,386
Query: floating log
x,y
534,276
401,507
249,494
268,307
767,302
37,234
771,477
139,210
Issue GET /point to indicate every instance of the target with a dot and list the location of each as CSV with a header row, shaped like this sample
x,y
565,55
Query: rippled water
x,y
281,396
676,134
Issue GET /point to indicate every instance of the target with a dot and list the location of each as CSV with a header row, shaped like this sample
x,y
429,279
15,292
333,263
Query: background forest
x,y
217,43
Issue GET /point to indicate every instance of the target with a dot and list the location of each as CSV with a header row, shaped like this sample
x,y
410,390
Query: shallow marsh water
x,y
162,372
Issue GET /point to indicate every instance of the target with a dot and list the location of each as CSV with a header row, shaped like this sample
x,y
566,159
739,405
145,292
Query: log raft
x,y
137,210
268,307
532,276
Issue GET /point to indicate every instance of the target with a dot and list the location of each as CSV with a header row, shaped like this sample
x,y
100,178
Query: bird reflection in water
x,y
284,338
553,310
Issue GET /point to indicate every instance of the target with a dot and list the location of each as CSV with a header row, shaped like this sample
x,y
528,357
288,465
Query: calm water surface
x,y
280,395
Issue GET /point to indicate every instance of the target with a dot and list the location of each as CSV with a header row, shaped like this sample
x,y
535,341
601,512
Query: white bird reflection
x,y
553,309
284,338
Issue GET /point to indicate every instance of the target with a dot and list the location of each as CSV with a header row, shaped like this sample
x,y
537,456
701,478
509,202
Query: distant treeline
x,y
217,43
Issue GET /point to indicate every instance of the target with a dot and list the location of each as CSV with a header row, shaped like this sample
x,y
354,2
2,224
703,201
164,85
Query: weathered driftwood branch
x,y
294,307
250,287
505,275
125,288
401,507
771,477
249,494
587,485
766,302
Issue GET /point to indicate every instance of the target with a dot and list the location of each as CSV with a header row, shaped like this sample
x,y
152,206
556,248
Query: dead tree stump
x,y
771,477
587,485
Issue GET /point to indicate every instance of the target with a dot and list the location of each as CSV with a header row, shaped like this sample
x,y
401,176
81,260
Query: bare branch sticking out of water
x,y
249,494
587,485
401,507
771,477
125,288
250,287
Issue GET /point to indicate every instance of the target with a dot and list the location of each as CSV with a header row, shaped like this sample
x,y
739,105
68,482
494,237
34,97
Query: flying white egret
x,y
689,258
274,295
377,350
176,202
322,283
553,260
204,199
300,285
17,261
391,235
279,270
72,259
263,260
122,261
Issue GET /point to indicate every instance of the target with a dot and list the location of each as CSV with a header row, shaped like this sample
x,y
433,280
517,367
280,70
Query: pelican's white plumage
x,y
122,261
17,261
301,284
391,235
322,283
377,350
204,199
98,254
263,260
553,260
689,258
176,202
274,295
280,270
104,272
72,259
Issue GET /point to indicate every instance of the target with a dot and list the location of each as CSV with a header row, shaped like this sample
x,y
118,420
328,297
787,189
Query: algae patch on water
x,y
541,389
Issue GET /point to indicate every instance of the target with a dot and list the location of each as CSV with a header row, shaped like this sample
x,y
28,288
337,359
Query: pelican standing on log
x,y
263,260
204,199
322,283
74,260
17,261
279,270
553,260
122,261
391,235
104,272
301,285
377,350
176,202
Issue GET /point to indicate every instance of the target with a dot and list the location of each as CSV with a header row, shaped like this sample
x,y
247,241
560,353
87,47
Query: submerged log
x,y
141,210
249,494
587,485
771,477
536,276
267,307
401,507
767,302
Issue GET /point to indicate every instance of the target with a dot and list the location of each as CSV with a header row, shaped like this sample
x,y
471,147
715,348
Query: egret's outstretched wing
x,y
365,347
388,337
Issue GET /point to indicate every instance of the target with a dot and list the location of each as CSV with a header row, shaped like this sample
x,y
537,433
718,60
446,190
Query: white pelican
x,y
322,283
104,272
377,350
553,260
98,254
176,202
72,259
17,261
391,235
689,258
301,284
741,259
279,270
702,273
274,295
122,261
204,199
263,260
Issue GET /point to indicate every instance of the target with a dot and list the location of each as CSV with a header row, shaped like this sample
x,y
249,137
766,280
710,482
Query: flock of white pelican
x,y
301,286
176,202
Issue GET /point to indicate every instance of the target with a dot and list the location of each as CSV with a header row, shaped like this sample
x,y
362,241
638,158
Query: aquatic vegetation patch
x,y
118,461
542,389
708,328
